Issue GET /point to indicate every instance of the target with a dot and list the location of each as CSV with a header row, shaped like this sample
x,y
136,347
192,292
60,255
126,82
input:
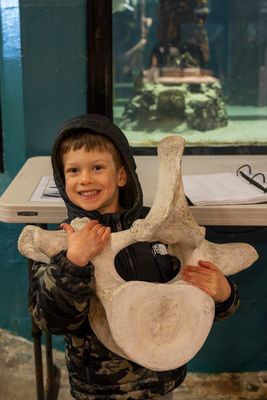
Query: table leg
x,y
38,363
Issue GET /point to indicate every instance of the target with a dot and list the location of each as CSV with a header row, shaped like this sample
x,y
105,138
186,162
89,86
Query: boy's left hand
x,y
209,278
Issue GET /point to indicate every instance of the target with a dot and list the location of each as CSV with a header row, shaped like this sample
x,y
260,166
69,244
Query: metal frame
x,y
99,53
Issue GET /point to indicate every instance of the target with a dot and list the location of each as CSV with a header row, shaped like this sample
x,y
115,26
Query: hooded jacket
x,y
60,292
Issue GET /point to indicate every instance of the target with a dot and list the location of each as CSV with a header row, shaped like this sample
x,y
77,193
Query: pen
x,y
52,194
253,181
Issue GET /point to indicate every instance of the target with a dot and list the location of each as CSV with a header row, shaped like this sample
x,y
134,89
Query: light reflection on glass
x,y
197,69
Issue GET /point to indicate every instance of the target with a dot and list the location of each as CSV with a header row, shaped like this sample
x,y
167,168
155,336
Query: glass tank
x,y
196,68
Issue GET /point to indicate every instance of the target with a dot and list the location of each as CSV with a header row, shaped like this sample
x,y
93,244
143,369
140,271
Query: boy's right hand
x,y
86,243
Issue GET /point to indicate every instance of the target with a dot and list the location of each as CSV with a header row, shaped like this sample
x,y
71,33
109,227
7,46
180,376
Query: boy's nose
x,y
86,177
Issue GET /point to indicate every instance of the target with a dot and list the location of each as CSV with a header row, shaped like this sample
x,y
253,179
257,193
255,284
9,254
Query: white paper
x,y
46,190
221,189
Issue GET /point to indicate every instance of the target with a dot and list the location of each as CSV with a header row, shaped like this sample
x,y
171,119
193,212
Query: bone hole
x,y
126,260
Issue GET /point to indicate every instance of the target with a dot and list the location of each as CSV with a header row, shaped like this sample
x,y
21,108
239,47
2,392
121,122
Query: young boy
x,y
95,173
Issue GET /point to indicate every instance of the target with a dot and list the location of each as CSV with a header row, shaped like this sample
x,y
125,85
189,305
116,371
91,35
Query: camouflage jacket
x,y
59,302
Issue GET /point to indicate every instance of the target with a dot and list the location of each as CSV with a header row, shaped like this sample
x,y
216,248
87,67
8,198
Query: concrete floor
x,y
17,379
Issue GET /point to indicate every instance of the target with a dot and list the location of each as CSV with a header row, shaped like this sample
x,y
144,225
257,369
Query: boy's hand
x,y
209,278
86,243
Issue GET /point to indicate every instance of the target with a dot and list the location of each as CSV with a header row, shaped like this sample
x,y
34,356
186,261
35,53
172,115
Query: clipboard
x,y
236,188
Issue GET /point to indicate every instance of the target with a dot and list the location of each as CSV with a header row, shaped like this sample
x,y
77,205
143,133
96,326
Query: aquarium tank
x,y
194,68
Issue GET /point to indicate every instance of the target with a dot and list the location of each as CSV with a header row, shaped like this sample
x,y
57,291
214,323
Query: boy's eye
x,y
98,167
72,170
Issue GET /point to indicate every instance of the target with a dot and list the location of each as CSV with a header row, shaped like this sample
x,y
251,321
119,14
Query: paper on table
x,y
222,188
46,190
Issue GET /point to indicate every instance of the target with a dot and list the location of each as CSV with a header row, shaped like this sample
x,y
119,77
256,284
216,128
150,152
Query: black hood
x,y
131,198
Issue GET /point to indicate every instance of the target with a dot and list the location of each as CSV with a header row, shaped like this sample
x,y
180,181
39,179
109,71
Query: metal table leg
x,y
37,346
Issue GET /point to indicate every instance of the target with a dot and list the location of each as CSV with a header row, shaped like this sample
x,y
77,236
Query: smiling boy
x,y
95,173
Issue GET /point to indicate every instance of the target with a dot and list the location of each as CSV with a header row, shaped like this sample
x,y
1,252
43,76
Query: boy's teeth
x,y
89,193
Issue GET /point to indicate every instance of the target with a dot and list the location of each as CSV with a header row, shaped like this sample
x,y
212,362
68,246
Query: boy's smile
x,y
92,180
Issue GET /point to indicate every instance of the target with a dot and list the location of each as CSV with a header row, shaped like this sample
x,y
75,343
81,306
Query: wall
x,y
53,37
43,73
43,82
12,87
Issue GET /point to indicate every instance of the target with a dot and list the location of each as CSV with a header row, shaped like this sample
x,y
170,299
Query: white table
x,y
16,207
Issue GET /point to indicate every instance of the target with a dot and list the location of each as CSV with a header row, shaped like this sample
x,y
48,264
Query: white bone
x,y
159,326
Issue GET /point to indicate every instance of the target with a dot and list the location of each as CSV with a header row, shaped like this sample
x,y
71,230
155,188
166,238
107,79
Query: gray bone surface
x,y
159,326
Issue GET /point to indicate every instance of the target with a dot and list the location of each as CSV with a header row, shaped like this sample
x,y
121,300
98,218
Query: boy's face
x,y
92,180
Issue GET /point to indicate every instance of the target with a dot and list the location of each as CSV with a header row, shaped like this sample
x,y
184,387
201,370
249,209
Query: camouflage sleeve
x,y
59,294
229,306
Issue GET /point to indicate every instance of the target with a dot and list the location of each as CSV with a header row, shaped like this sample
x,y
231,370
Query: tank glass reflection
x,y
197,68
